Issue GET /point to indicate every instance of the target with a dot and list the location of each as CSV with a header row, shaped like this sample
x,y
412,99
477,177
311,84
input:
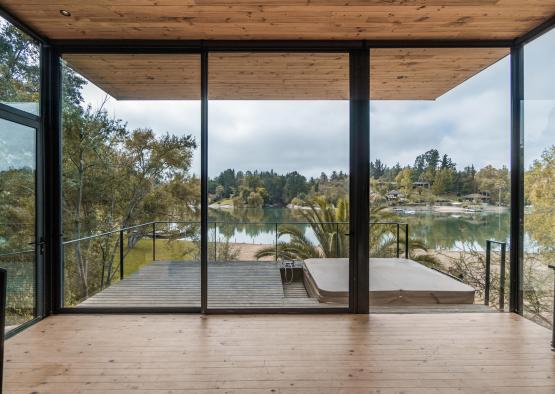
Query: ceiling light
x,y
65,12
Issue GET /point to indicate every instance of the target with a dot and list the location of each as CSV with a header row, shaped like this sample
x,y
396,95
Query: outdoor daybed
x,y
393,281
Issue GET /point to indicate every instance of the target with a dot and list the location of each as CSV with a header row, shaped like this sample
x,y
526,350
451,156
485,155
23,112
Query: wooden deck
x,y
244,284
435,353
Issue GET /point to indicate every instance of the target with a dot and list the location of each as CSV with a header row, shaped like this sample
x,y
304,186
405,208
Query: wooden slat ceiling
x,y
425,73
396,74
141,77
282,19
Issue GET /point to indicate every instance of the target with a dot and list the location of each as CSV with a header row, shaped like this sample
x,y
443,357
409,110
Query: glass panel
x,y
131,161
439,185
19,69
17,219
539,177
279,183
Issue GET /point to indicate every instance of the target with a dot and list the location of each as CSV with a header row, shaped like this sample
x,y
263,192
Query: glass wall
x,y
19,90
539,176
19,69
278,180
17,219
131,190
440,152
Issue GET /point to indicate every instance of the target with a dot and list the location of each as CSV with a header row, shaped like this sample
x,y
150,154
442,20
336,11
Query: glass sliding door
x,y
131,189
539,178
439,178
278,167
20,192
18,210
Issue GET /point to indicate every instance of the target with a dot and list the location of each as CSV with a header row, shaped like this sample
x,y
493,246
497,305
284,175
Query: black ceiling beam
x,y
195,46
11,18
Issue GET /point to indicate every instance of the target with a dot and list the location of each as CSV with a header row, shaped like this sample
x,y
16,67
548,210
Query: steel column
x,y
52,137
204,182
517,181
359,133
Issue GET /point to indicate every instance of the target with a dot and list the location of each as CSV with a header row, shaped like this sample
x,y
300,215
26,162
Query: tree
x,y
404,179
295,186
377,169
447,163
443,181
540,194
330,225
19,66
495,181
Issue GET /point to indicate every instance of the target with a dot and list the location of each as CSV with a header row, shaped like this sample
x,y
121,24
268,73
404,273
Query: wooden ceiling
x,y
425,73
282,19
141,77
396,74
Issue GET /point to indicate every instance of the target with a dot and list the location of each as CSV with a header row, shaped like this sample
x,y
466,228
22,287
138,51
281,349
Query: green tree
x,y
404,180
19,66
443,181
540,194
495,181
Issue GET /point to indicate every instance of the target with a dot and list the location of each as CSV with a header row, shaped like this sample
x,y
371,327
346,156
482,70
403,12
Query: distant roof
x,y
476,196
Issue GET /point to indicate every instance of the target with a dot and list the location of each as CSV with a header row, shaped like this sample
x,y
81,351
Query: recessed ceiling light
x,y
65,12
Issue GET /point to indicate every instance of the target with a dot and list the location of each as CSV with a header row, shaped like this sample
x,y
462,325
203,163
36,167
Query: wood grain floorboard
x,y
410,353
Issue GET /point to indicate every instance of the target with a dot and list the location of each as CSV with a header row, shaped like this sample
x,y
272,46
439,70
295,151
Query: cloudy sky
x,y
471,123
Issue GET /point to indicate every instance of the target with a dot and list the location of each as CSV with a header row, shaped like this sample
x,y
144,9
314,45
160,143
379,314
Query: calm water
x,y
437,230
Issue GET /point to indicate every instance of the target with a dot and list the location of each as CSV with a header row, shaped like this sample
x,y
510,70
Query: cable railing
x,y
16,253
154,233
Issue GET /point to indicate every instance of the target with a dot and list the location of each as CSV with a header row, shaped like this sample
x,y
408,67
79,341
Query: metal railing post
x,y
502,277
3,294
215,241
337,240
398,253
153,241
406,240
553,327
276,241
121,257
488,272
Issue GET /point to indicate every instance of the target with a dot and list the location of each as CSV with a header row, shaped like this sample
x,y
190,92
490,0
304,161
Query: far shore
x,y
416,208
450,208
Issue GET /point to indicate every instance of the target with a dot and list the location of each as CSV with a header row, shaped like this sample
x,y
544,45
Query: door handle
x,y
40,245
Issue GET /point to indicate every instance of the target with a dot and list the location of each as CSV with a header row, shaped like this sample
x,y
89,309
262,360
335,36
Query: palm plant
x,y
330,226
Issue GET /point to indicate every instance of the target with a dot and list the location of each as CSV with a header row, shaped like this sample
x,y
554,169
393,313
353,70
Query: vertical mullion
x,y
52,137
42,300
517,180
359,157
204,182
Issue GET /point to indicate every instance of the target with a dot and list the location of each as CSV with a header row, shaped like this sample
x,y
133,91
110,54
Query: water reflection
x,y
438,230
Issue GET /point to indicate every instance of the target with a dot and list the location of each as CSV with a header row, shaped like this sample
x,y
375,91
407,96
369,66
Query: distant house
x,y
420,184
393,195
478,197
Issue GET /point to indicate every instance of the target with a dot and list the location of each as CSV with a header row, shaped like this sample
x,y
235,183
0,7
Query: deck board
x,y
422,353
177,284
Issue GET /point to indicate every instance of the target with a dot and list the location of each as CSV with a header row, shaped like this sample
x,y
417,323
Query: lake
x,y
438,230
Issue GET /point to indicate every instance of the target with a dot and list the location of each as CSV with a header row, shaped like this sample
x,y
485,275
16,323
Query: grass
x,y
141,254
225,201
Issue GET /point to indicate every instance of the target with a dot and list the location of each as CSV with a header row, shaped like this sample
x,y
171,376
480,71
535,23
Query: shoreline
x,y
449,209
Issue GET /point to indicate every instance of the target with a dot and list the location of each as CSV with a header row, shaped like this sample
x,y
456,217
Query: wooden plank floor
x,y
177,284
434,353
